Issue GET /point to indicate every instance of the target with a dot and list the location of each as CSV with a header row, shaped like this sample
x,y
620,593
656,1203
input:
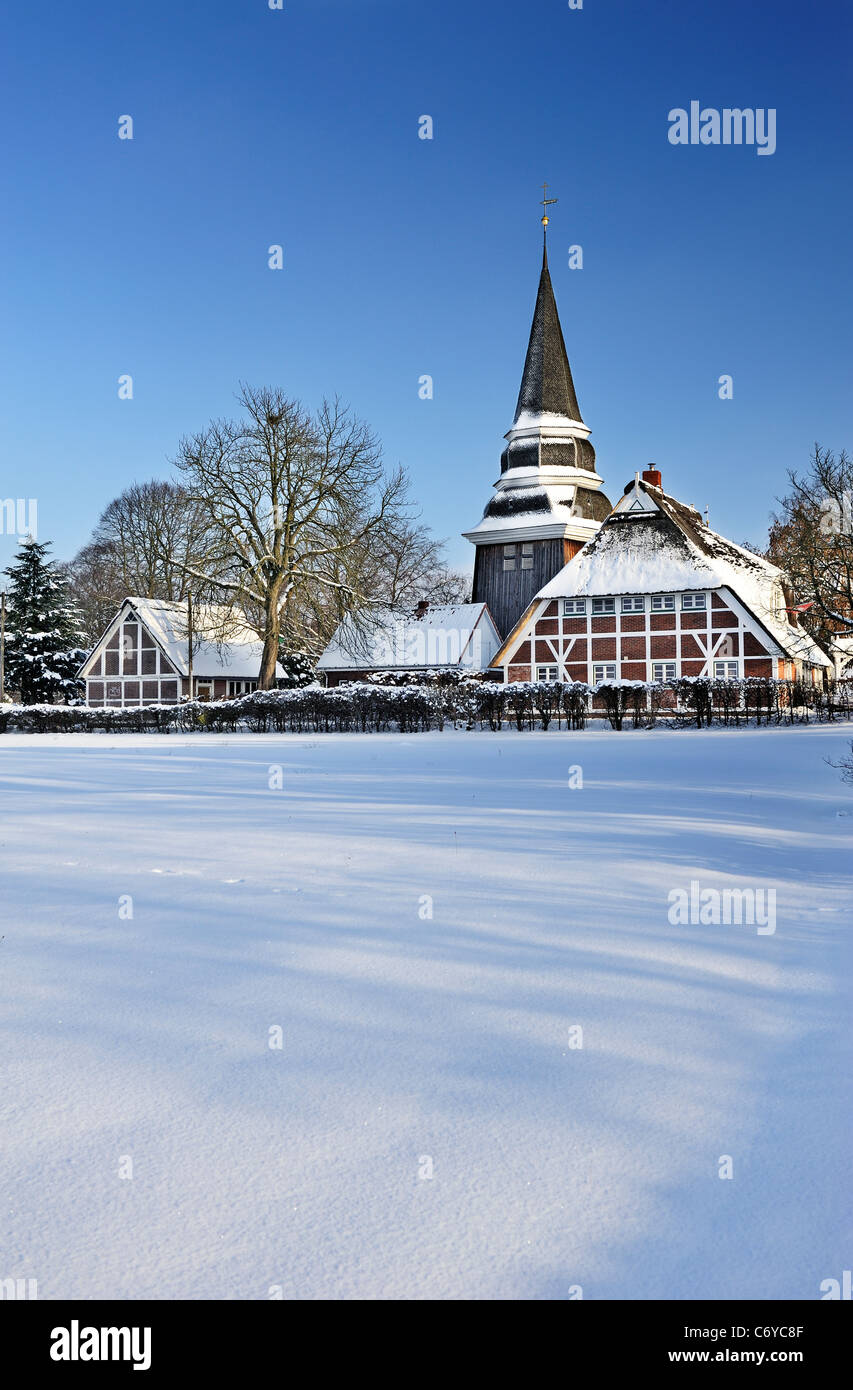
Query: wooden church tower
x,y
547,501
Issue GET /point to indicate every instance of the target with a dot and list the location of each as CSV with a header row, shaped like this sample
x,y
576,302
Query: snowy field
x,y
414,1044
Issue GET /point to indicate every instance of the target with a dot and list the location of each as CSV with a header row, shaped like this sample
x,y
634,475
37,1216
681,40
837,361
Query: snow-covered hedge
x,y
468,703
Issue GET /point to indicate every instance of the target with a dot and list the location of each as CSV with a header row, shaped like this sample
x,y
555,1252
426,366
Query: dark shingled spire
x,y
547,381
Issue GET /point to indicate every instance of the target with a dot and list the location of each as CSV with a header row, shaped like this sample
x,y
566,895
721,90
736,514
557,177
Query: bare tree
x,y
812,540
142,544
295,506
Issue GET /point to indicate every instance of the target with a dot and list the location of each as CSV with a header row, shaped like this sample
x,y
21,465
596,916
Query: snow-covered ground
x,y
413,1043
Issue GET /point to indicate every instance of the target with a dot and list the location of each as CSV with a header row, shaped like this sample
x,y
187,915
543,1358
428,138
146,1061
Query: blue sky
x,y
406,257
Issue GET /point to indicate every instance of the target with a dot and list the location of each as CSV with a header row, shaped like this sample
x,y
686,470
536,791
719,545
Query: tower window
x,y
527,556
509,557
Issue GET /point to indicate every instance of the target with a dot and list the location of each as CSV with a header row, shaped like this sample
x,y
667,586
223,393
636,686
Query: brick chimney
x,y
652,475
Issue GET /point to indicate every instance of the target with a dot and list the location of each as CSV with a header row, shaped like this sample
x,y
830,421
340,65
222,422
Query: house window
x,y
604,605
509,557
663,670
634,604
725,670
663,603
693,601
129,649
604,672
240,688
573,606
546,673
527,556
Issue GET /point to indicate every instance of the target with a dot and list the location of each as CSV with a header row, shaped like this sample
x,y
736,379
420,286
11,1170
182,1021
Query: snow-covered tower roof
x,y
548,486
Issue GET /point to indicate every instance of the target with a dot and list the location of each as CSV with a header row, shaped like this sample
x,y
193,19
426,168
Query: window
x,y
240,687
573,606
527,556
663,670
129,635
663,603
604,672
634,604
509,557
693,601
546,673
725,670
604,605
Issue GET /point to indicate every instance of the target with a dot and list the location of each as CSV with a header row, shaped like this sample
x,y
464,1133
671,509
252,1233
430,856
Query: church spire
x,y
546,384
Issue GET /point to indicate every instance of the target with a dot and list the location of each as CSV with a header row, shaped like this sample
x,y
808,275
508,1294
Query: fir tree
x,y
44,630
298,670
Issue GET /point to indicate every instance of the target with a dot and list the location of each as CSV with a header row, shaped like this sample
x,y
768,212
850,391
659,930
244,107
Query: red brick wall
x,y
662,622
603,649
693,620
547,627
633,649
663,648
752,646
604,624
725,619
633,622
573,625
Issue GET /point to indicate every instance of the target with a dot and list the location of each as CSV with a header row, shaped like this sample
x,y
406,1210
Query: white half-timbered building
x,y
657,595
143,658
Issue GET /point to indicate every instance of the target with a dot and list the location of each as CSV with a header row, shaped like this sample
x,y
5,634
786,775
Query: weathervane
x,y
546,203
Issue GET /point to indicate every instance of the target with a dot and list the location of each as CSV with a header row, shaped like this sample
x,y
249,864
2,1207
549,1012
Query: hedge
x,y
466,703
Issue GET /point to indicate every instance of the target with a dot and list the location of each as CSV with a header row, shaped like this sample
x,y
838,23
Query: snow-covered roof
x,y
454,634
237,657
651,543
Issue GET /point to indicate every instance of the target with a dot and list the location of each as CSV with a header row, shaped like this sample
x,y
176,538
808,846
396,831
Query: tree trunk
x,y
267,677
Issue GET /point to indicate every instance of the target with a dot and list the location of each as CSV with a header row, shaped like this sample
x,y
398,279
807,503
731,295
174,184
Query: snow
x,y
456,634
407,1037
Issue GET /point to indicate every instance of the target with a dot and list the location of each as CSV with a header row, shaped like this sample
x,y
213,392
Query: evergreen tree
x,y
44,630
298,670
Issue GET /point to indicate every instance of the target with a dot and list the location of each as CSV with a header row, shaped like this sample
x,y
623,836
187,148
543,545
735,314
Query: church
x,y
645,591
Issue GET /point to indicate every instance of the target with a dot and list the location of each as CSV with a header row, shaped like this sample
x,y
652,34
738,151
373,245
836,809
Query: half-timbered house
x,y
143,658
658,595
